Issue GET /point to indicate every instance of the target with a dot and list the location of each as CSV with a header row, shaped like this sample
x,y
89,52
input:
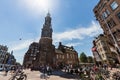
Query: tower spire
x,y
47,27
48,14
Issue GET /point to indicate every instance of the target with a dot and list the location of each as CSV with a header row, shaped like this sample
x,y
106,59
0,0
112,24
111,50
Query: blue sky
x,y
73,23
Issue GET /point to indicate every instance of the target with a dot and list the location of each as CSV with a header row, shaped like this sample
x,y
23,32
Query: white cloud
x,y
38,7
73,44
16,46
22,44
79,33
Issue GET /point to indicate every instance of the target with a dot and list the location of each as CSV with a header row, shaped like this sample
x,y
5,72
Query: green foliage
x,y
99,77
83,57
90,59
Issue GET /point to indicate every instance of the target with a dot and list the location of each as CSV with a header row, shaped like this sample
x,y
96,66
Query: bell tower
x,y
46,48
47,27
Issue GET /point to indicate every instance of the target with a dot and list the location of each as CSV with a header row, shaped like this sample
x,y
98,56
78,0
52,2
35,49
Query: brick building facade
x,y
107,12
66,55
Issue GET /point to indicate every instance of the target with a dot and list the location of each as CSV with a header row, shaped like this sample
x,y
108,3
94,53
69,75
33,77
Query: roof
x,y
58,51
68,48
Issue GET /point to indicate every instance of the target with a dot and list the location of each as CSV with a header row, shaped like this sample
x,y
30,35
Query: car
x,y
1,69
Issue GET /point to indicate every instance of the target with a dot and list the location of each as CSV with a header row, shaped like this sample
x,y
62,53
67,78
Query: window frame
x,y
105,14
111,23
114,5
118,15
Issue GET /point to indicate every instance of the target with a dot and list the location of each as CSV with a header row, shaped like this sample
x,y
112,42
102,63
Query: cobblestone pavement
x,y
36,75
57,75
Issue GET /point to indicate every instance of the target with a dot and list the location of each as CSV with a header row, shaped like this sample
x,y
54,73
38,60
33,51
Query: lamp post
x,y
116,44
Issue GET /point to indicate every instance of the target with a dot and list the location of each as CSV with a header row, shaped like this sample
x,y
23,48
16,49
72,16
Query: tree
x,y
90,59
83,57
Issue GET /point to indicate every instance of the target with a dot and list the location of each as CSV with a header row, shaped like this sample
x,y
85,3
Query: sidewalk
x,y
3,77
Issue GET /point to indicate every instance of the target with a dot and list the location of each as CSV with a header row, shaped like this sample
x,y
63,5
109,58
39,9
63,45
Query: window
x,y
67,55
60,56
31,54
111,23
103,43
63,56
103,55
118,15
105,48
71,55
100,49
57,56
114,5
107,11
105,14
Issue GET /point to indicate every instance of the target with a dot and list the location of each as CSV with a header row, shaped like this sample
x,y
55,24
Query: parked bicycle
x,y
116,75
19,75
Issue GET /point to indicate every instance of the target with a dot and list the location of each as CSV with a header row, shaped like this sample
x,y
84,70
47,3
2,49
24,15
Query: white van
x,y
1,67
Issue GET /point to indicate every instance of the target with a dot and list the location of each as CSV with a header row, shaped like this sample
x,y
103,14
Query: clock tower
x,y
44,53
46,48
47,27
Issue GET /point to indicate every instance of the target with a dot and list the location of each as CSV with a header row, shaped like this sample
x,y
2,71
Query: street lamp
x,y
115,42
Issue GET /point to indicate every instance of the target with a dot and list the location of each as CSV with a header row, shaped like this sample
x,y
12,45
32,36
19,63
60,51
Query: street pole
x,y
116,44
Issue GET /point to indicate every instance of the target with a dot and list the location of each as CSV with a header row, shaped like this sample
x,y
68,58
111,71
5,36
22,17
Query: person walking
x,y
49,70
6,71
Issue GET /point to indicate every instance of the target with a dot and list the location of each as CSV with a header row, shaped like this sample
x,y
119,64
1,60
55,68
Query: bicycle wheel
x,y
10,78
13,78
23,77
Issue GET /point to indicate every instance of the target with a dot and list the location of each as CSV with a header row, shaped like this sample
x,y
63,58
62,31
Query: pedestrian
x,y
71,71
68,68
110,67
76,71
81,73
92,75
65,68
44,69
6,71
51,70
